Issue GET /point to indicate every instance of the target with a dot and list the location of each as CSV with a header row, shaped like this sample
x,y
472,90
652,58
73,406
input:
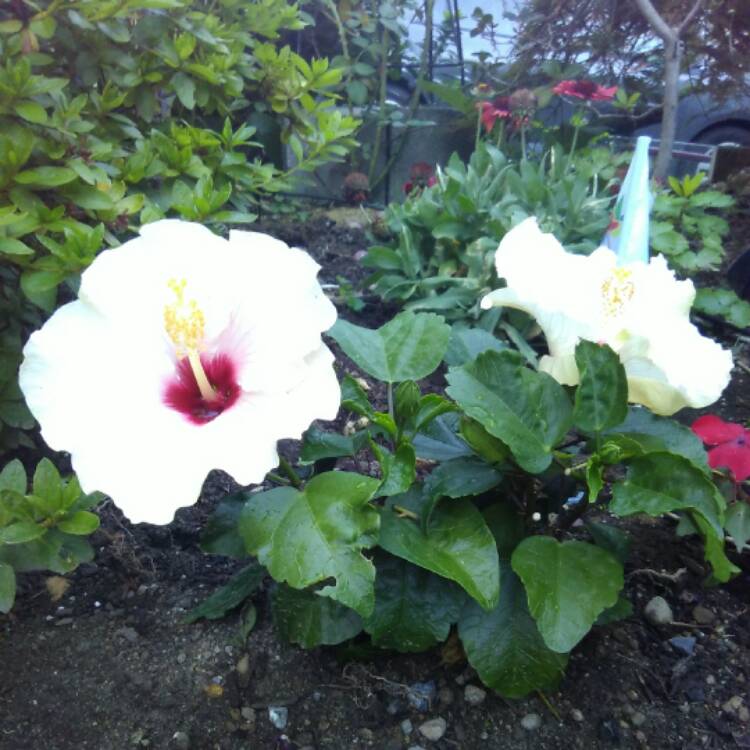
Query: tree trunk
x,y
672,65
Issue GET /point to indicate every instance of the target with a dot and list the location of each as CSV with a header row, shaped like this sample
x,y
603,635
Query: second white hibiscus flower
x,y
638,309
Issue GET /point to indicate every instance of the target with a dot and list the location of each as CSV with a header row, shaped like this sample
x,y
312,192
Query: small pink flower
x,y
497,109
731,445
585,90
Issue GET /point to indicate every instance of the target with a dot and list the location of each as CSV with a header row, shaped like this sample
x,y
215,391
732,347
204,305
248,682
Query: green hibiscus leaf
x,y
409,347
568,585
318,444
660,434
230,595
527,410
658,483
461,477
304,537
601,399
414,609
466,344
7,587
504,644
610,538
13,477
221,534
309,620
439,441
457,544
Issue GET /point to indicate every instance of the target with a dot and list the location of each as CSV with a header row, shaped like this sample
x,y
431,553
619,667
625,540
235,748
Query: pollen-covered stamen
x,y
185,324
617,290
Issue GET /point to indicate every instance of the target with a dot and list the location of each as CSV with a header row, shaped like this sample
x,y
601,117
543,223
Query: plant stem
x,y
390,400
384,45
523,142
288,469
573,145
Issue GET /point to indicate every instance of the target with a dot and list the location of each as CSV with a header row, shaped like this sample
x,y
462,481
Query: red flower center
x,y
182,393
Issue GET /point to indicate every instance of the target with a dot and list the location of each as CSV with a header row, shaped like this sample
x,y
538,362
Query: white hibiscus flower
x,y
184,352
639,309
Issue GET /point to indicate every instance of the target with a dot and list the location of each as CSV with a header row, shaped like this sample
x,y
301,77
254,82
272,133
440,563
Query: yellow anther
x,y
185,325
617,290
184,321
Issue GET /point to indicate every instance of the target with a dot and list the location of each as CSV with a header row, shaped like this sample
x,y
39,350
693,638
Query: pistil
x,y
208,392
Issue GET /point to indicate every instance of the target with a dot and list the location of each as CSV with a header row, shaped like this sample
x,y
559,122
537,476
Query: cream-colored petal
x,y
562,368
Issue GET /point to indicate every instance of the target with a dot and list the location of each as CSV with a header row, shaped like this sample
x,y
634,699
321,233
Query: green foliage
x,y
444,239
41,529
462,541
685,227
240,586
723,303
113,115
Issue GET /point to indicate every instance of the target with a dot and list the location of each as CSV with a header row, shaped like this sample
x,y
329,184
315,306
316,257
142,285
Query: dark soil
x,y
112,666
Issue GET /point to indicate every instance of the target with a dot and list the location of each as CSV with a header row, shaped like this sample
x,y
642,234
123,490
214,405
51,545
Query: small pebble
x,y
638,719
743,714
710,680
433,729
129,634
248,714
703,616
421,695
531,722
684,644
181,740
576,715
658,611
474,695
407,727
278,716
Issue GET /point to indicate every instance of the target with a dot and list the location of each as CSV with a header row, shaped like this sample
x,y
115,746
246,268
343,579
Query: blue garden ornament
x,y
629,237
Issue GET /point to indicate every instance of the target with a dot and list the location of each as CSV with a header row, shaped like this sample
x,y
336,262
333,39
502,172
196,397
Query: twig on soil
x,y
743,366
549,706
655,677
675,577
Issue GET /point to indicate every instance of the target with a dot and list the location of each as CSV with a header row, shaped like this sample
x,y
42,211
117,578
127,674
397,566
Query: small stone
x,y
474,695
407,727
703,615
243,671
638,719
65,621
531,722
181,657
421,695
658,611
576,715
248,714
366,734
684,644
416,747
395,707
129,634
278,716
181,740
633,695
733,705
433,729
743,714
710,680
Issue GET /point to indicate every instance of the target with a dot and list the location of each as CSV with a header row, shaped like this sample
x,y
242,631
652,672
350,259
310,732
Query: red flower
x,y
421,175
497,109
731,441
585,90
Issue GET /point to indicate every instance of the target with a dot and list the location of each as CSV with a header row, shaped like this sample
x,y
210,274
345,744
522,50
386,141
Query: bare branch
x,y
689,17
658,24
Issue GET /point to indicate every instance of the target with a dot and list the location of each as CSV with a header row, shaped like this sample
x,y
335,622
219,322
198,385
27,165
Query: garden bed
x,y
111,664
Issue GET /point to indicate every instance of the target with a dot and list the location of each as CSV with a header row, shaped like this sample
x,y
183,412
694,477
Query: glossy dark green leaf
x,y
414,609
528,411
399,468
609,537
13,477
47,483
659,483
241,585
318,444
457,545
439,441
305,537
184,87
221,534
713,547
466,344
568,585
309,620
46,176
504,644
487,446
659,434
601,399
409,347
